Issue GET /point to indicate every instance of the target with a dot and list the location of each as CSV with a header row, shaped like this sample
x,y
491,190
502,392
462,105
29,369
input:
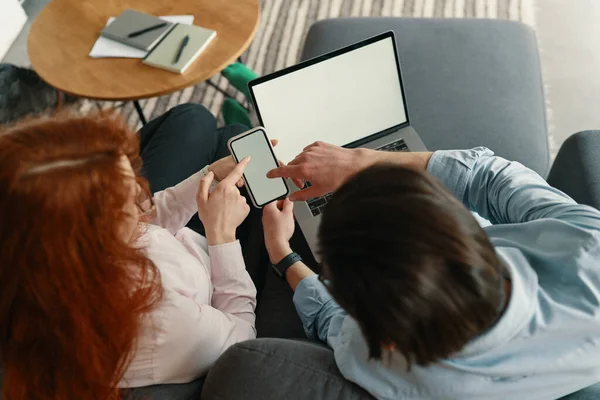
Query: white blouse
x,y
208,302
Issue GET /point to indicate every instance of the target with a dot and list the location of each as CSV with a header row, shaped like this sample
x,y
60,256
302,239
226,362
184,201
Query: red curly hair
x,y
73,292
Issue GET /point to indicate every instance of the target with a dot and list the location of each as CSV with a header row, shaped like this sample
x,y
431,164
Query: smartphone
x,y
255,144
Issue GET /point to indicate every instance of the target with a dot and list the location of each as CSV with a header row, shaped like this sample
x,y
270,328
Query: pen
x,y
150,28
184,42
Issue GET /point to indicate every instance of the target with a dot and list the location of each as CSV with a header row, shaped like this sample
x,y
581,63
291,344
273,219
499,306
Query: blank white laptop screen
x,y
339,100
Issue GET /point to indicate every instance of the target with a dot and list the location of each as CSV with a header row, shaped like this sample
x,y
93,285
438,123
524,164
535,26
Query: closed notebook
x,y
164,55
131,21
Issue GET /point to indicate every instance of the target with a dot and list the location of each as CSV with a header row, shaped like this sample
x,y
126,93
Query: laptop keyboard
x,y
317,204
395,146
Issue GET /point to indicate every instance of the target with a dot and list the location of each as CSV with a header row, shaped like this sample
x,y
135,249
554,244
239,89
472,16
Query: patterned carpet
x,y
284,24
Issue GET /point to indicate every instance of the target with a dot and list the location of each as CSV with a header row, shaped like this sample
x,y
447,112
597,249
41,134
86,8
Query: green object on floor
x,y
235,113
239,75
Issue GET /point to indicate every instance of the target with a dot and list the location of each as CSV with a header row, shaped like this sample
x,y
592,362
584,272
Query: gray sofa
x,y
468,83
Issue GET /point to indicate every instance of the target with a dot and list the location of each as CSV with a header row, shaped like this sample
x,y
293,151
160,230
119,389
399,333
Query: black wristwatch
x,y
282,266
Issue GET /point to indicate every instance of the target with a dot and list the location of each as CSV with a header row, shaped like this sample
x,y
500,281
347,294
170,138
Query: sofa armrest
x,y
576,169
264,369
172,391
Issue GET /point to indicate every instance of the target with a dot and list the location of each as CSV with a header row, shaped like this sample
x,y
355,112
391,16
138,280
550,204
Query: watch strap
x,y
282,266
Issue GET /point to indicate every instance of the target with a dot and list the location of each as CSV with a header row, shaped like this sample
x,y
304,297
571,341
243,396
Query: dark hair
x,y
409,263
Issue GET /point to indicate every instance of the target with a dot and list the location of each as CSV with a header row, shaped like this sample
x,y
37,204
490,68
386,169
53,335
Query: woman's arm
x,y
198,334
175,206
234,292
193,336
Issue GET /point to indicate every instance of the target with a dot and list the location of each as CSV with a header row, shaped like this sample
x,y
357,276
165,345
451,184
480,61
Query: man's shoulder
x,y
390,377
547,243
524,364
558,264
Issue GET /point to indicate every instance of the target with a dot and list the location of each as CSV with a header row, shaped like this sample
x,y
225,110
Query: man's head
x,y
410,263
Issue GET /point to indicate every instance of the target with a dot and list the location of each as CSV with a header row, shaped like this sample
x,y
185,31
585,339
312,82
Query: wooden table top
x,y
63,34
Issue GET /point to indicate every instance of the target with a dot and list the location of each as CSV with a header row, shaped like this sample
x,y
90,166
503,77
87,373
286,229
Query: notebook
x,y
165,53
131,21
108,48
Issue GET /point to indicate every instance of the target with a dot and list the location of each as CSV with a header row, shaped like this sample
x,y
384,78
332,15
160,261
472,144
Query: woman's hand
x,y
278,226
221,168
223,210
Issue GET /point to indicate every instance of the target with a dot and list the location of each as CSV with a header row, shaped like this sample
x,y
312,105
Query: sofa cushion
x,y
265,369
589,393
182,391
576,169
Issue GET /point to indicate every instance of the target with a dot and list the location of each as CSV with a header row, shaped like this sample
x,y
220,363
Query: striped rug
x,y
284,24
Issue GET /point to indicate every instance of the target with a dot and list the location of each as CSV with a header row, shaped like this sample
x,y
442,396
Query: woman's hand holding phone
x,y
223,210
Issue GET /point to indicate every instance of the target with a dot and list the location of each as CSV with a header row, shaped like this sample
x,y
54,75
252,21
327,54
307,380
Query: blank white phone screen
x,y
262,160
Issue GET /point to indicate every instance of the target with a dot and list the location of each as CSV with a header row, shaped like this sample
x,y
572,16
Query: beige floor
x,y
569,38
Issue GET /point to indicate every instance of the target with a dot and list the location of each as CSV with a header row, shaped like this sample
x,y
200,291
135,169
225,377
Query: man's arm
x,y
313,302
315,306
506,192
327,166
297,271
498,190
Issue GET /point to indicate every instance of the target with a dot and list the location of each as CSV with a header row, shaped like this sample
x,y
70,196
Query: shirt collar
x,y
521,307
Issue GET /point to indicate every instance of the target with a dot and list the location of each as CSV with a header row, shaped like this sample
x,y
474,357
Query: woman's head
x,y
73,286
410,263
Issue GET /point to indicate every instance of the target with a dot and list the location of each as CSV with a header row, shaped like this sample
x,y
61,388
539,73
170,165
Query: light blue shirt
x,y
547,343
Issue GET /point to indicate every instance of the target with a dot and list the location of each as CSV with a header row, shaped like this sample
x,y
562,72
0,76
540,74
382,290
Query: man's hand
x,y
278,226
325,166
222,167
223,210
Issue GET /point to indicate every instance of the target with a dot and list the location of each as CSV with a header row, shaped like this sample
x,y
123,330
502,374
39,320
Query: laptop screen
x,y
338,100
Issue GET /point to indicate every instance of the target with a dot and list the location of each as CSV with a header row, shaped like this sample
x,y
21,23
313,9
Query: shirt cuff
x,y
226,260
186,191
310,297
453,168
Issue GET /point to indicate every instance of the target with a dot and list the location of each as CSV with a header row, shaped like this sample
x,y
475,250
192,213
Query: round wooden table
x,y
65,31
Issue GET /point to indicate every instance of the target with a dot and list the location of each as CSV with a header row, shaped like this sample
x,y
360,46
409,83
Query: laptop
x,y
351,97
